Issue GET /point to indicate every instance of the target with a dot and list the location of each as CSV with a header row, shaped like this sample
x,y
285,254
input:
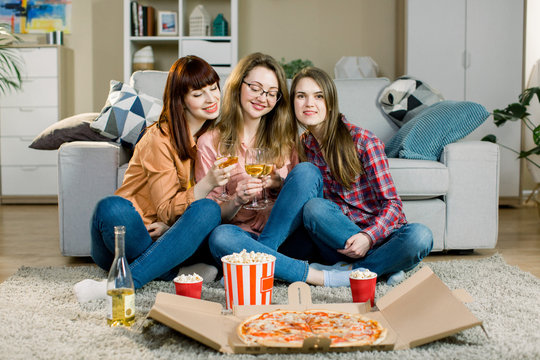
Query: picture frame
x,y
167,23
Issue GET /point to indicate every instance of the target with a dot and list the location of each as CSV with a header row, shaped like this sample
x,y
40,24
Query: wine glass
x,y
225,150
268,167
254,167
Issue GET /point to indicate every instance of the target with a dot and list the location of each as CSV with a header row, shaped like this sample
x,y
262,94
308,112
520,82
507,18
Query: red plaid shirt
x,y
372,202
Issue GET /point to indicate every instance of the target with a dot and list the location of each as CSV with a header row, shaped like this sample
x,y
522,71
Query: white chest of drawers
x,y
29,175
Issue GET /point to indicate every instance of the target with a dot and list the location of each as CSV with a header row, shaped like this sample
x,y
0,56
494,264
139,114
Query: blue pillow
x,y
445,122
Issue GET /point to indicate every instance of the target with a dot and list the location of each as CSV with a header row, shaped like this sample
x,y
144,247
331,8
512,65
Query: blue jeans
x,y
148,259
329,228
303,183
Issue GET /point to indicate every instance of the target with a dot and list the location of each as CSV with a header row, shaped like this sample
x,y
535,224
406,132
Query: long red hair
x,y
187,73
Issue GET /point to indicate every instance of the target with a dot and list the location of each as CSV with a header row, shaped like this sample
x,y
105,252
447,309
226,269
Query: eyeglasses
x,y
271,95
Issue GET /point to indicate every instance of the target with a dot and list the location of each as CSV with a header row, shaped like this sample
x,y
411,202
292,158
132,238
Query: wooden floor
x,y
29,237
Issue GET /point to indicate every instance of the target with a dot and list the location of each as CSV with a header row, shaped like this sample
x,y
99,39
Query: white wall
x,y
320,30
532,54
532,36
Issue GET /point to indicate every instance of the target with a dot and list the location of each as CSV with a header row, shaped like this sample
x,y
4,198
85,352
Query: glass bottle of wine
x,y
120,289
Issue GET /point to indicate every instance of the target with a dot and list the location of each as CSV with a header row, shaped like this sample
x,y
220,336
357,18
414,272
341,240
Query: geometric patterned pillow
x,y
126,114
405,98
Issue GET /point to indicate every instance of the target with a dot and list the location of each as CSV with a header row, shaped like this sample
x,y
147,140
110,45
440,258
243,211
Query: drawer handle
x,y
26,109
29,168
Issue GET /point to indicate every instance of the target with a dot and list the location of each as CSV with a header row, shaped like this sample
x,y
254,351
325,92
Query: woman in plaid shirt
x,y
360,221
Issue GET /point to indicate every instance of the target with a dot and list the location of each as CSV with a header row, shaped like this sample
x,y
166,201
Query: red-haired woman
x,y
166,214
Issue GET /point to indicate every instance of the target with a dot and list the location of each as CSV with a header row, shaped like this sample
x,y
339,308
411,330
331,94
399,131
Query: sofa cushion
x,y
151,82
432,213
121,172
445,122
419,179
74,128
358,102
403,99
126,113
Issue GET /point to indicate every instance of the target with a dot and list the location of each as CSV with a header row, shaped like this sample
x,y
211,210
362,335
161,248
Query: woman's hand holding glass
x,y
218,175
247,189
225,159
272,181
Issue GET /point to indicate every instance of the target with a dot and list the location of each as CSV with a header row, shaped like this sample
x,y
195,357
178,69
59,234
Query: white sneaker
x,y
89,289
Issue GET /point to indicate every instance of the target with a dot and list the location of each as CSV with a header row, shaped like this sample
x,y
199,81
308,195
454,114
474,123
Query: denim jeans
x,y
303,183
148,259
329,228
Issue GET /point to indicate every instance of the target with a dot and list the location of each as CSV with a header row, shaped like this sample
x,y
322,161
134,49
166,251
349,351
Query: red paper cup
x,y
248,284
192,289
363,290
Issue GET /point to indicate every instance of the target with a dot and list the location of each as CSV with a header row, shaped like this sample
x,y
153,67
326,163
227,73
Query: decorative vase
x,y
220,27
143,59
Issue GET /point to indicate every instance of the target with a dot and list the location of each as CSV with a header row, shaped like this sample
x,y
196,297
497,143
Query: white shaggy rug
x,y
41,319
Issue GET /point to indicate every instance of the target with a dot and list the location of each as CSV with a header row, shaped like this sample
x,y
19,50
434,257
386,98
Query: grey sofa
x,y
456,197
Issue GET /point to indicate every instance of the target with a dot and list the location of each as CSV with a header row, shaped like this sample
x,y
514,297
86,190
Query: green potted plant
x,y
10,61
518,112
294,66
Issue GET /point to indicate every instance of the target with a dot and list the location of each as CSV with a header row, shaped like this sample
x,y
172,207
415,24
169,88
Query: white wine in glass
x,y
255,168
225,151
267,171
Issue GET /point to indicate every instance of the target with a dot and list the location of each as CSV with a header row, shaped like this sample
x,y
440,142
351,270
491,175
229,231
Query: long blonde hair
x,y
277,130
336,144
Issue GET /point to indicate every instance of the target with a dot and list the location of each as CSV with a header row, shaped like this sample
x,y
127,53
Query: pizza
x,y
290,328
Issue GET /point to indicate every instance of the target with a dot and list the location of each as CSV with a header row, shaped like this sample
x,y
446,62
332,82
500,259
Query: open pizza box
x,y
420,310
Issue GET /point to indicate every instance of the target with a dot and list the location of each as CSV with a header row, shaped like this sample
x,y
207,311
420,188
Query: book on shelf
x,y
151,21
134,19
143,20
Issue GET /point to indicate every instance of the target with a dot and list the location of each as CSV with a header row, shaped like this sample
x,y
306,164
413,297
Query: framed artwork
x,y
167,23
36,16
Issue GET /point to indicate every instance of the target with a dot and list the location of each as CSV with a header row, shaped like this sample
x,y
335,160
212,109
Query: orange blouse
x,y
157,182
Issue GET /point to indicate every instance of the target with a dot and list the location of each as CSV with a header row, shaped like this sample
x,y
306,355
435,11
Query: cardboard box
x,y
420,310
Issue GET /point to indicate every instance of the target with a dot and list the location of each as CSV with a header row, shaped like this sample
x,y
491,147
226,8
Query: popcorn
x,y
245,257
362,274
191,278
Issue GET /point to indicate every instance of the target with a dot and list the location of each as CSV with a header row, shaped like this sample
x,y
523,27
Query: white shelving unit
x,y
220,51
29,175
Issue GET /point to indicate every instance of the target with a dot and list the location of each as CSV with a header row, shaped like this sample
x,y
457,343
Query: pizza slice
x,y
275,328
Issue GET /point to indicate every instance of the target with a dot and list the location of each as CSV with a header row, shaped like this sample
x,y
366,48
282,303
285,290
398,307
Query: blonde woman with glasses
x,y
256,113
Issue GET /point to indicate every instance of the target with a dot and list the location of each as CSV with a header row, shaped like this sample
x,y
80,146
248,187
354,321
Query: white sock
x,y
339,266
207,272
396,278
334,278
89,289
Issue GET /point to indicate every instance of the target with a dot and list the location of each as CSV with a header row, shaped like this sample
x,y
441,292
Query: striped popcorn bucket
x,y
248,284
